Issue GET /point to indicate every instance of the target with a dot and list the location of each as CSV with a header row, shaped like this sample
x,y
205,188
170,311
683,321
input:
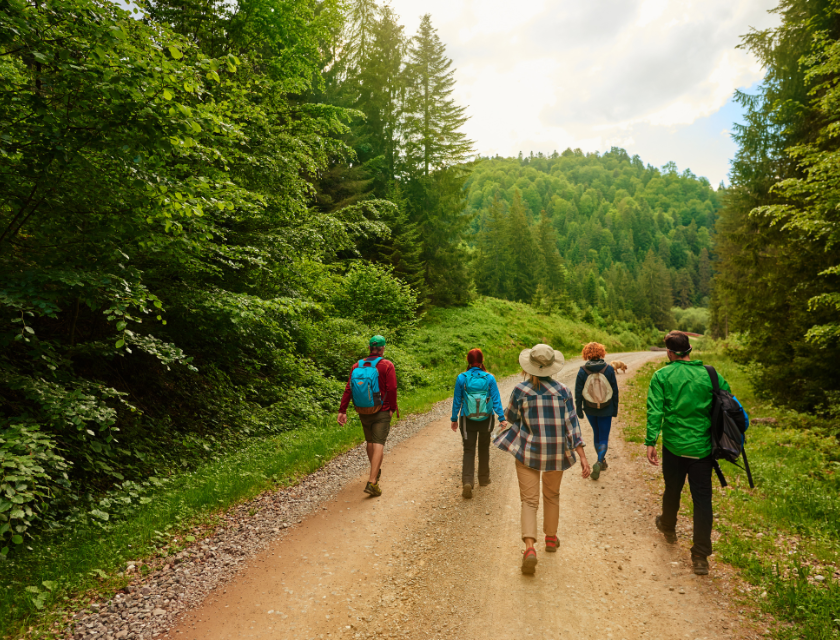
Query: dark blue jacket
x,y
596,366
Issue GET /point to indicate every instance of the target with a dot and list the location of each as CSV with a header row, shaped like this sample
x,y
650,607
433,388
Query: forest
x,y
600,235
206,209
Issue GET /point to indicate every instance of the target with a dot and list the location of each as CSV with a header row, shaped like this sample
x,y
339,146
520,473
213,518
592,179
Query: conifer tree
x,y
525,267
403,250
432,119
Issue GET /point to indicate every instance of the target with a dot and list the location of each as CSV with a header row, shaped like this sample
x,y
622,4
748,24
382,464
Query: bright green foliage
x,y
632,240
779,283
154,212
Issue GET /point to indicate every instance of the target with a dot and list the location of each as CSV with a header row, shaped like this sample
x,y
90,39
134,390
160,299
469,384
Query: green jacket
x,y
678,404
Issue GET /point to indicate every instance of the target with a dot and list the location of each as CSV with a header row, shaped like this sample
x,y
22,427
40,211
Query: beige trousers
x,y
529,493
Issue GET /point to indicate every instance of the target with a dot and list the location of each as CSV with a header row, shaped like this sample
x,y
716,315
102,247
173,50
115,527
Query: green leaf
x,y
50,585
120,325
214,76
175,53
17,539
33,590
120,343
167,95
98,513
189,538
4,551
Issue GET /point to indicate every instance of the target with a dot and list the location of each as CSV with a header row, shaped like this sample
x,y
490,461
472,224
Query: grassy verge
x,y
61,571
784,535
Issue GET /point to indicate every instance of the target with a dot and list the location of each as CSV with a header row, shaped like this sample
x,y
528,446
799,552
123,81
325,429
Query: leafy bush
x,y
370,294
692,319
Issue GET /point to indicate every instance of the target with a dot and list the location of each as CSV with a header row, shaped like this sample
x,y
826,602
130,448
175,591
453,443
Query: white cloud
x,y
546,74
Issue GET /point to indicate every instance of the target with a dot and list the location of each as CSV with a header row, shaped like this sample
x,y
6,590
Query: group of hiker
x,y
540,428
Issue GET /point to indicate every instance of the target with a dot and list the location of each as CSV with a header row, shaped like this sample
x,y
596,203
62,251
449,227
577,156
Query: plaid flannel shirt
x,y
544,429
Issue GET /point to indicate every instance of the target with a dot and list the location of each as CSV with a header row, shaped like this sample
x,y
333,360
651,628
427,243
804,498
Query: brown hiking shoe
x,y
466,491
670,536
373,489
700,564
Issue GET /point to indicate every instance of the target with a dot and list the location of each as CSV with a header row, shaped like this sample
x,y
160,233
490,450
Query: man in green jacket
x,y
678,404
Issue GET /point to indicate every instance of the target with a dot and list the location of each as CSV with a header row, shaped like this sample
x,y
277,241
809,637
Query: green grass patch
x,y
785,534
60,571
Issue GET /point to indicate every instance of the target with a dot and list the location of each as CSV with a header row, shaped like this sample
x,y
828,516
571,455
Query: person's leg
x,y
468,463
700,484
529,494
376,435
375,452
604,426
484,456
551,501
673,472
595,422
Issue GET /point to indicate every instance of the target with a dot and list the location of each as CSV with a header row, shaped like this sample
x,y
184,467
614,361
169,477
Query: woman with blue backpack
x,y
475,405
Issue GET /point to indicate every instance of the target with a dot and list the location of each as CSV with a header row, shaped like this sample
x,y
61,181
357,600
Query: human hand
x,y
585,468
652,457
454,426
503,424
390,414
342,419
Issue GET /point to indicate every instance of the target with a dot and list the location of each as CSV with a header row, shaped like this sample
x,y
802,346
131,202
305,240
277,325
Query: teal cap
x,y
377,341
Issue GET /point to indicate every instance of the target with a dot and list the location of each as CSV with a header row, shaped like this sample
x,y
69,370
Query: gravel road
x,y
324,560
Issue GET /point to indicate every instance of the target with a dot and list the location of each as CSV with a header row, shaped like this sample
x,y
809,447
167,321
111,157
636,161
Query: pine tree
x,y
525,267
492,264
404,250
432,119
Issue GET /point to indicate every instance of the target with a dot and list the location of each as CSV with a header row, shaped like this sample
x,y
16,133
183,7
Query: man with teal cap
x,y
373,388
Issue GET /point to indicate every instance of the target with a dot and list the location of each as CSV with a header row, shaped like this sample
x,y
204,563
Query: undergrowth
x,y
784,535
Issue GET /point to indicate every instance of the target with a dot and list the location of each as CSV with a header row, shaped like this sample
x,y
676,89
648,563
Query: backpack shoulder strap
x,y
714,376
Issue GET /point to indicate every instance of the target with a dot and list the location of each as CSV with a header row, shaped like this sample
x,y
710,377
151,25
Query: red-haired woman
x,y
475,404
596,395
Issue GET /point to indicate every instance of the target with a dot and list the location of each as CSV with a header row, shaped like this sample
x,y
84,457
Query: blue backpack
x,y
364,382
477,394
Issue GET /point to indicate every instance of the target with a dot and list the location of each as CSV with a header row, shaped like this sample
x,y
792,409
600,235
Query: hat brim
x,y
534,370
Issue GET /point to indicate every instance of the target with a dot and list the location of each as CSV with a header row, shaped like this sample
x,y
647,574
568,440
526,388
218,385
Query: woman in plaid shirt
x,y
543,435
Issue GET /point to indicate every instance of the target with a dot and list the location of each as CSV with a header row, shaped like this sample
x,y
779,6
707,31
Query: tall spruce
x,y
433,120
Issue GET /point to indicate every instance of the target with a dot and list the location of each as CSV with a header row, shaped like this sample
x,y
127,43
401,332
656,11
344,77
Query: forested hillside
x,y
605,235
778,286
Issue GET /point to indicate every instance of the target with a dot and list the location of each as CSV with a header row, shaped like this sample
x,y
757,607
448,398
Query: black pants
x,y
674,470
477,433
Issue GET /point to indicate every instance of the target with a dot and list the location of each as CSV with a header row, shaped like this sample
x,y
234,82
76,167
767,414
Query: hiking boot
x,y
700,564
551,543
596,471
467,490
483,483
373,489
670,536
604,465
529,561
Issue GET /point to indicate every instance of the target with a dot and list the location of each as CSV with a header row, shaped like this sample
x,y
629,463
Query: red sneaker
x,y
529,561
551,543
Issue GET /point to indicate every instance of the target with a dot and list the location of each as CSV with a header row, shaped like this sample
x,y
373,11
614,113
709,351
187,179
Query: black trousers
x,y
675,469
478,433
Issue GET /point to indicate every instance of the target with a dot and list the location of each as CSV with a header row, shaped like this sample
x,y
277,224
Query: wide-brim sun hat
x,y
541,360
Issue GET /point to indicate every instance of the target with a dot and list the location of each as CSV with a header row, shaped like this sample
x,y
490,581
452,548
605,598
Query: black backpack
x,y
728,426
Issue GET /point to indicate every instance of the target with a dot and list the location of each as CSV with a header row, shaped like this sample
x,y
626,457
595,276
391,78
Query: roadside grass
x,y
62,571
784,535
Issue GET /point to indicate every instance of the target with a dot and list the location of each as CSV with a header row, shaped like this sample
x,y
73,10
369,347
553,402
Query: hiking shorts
x,y
376,426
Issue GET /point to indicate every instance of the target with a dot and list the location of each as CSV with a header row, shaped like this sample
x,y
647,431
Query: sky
x,y
655,77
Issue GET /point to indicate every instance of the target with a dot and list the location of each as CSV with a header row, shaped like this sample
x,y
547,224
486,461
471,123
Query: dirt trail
x,y
421,562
